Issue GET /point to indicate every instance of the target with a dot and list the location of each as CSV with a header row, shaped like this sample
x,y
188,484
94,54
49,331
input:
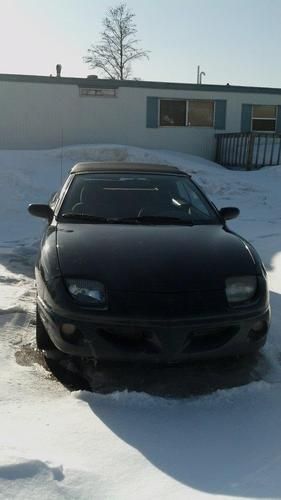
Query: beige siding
x,y
33,115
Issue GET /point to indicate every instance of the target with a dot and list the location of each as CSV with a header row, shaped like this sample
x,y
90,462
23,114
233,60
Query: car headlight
x,y
240,288
87,292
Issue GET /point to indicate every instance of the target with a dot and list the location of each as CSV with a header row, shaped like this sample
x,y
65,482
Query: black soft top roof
x,y
119,166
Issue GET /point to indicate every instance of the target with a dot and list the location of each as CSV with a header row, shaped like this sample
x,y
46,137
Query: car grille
x,y
168,305
165,340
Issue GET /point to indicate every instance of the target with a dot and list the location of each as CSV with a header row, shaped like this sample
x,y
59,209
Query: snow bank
x,y
131,445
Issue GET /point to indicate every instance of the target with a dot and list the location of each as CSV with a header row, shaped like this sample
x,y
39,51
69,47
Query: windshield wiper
x,y
141,219
151,219
84,217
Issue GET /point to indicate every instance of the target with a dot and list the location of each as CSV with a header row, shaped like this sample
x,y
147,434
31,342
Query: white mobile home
x,y
183,117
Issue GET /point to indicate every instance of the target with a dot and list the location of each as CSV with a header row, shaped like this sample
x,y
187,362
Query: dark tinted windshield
x,y
131,197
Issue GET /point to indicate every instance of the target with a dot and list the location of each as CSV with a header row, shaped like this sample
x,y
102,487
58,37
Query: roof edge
x,y
106,83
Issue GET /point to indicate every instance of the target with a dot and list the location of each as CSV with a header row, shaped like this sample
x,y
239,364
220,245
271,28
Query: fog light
x,y
68,329
70,333
258,326
258,331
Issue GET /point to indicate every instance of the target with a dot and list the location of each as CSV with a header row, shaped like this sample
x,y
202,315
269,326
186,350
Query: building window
x,y
172,113
264,118
182,113
200,113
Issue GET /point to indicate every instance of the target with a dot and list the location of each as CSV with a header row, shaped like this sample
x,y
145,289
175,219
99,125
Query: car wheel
x,y
43,340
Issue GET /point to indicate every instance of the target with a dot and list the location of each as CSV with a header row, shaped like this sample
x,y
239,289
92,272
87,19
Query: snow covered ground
x,y
81,445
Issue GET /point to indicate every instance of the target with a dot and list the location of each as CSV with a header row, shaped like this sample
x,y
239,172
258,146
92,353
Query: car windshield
x,y
136,198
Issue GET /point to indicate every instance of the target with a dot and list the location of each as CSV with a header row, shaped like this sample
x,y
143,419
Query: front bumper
x,y
158,341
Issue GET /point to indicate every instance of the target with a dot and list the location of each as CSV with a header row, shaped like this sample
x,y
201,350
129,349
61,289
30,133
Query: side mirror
x,y
43,211
229,213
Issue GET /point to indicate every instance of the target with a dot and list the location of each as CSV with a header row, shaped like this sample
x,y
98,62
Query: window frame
x,y
264,119
187,101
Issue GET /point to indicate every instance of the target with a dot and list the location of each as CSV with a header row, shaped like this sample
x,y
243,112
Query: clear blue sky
x,y
235,41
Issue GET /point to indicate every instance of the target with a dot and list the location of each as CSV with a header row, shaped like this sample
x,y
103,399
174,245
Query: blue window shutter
x,y
278,121
220,114
152,104
246,117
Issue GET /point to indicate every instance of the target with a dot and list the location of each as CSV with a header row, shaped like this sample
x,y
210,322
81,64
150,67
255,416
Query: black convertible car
x,y
137,264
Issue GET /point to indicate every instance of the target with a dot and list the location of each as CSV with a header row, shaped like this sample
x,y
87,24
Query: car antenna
x,y
61,156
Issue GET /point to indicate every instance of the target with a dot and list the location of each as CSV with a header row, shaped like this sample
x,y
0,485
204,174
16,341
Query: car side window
x,y
193,198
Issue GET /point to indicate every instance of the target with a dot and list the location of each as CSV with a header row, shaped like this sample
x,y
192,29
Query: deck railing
x,y
248,150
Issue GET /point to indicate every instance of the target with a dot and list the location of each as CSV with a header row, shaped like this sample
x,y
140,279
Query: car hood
x,y
143,258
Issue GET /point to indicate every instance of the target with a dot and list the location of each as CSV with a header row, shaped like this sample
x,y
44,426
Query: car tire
x,y
43,340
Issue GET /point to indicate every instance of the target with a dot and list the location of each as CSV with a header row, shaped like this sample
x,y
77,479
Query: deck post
x,y
250,144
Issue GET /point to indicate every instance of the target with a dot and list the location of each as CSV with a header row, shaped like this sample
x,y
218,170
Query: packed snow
x,y
133,444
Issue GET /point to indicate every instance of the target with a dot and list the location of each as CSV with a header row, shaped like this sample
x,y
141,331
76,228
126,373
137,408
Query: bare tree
x,y
118,47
